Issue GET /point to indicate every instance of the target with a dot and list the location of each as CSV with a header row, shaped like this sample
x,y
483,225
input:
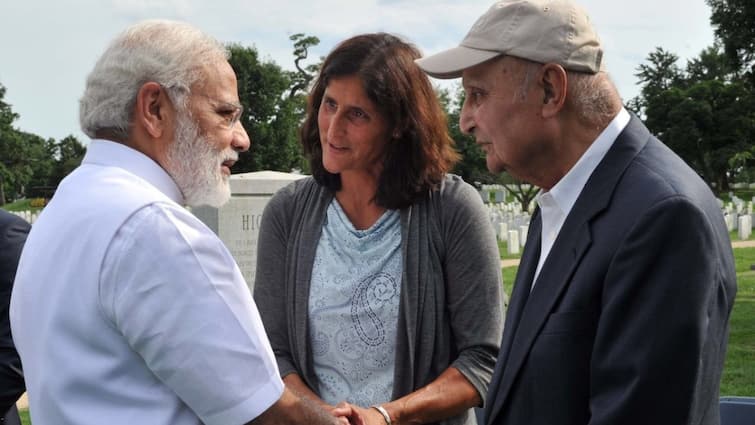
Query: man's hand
x,y
358,415
292,409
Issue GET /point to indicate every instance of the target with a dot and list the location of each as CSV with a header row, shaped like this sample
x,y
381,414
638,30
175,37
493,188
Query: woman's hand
x,y
350,414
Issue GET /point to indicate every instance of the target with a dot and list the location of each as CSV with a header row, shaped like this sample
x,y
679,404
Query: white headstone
x,y
513,242
523,234
237,222
729,220
503,230
745,227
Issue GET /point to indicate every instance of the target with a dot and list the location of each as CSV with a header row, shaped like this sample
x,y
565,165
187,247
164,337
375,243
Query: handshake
x,y
349,414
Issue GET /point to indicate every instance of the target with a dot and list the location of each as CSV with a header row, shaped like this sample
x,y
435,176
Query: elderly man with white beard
x,y
126,308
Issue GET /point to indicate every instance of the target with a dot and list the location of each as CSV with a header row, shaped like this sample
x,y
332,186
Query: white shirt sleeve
x,y
173,290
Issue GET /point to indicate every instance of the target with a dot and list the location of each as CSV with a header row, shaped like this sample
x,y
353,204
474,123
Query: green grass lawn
x,y
739,369
734,235
21,205
504,251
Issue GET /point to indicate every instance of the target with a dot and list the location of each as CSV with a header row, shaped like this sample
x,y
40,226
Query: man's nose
x,y
240,140
466,122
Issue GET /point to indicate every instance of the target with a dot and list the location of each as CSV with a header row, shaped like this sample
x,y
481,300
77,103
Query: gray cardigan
x,y
451,296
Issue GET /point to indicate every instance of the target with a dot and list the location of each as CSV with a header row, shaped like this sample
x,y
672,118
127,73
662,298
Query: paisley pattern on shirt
x,y
353,308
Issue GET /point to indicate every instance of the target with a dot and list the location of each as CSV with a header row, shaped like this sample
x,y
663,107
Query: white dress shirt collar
x,y
112,154
567,190
556,204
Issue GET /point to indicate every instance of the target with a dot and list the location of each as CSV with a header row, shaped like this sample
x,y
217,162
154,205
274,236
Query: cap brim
x,y
450,63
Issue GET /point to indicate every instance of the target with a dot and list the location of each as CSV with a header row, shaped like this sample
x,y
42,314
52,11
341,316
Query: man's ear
x,y
153,110
553,83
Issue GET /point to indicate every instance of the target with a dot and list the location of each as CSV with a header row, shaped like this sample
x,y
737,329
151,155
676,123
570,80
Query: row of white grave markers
x,y
511,223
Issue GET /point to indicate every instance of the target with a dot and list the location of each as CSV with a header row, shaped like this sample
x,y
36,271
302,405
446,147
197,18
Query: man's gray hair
x,y
592,96
169,53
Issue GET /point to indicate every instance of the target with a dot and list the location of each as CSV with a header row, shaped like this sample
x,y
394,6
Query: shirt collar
x,y
111,154
567,190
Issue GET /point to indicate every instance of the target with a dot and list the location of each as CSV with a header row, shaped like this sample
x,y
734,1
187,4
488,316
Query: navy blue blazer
x,y
13,231
628,320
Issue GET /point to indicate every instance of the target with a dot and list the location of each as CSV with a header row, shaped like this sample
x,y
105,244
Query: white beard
x,y
195,164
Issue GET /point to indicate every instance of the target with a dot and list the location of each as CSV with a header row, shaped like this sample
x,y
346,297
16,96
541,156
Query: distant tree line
x,y
31,166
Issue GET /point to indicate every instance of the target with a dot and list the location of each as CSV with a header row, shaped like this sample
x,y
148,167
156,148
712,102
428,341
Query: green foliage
x,y
509,275
704,112
739,374
20,205
274,104
261,89
37,202
304,73
733,23
29,164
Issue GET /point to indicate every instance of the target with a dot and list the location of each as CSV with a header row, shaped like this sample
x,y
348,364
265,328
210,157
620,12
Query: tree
x,y
304,74
656,77
21,155
274,103
704,112
7,136
68,154
29,164
733,23
261,89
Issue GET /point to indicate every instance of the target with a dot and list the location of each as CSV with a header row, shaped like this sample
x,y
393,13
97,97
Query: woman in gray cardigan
x,y
378,279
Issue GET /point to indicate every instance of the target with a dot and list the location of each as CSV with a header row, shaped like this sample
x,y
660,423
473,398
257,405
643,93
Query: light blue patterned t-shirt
x,y
353,308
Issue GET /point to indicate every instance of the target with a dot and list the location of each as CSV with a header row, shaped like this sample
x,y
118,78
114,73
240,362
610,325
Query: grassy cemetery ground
x,y
739,370
23,205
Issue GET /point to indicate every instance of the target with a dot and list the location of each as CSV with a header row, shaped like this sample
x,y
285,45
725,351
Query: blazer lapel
x,y
570,246
519,296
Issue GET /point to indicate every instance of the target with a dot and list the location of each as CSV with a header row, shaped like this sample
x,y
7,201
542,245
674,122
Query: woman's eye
x,y
359,114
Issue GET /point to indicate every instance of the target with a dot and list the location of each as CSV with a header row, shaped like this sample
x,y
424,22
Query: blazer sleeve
x,y
13,232
662,331
474,289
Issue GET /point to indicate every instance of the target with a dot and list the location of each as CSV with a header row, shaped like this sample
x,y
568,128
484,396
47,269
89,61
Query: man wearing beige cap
x,y
620,308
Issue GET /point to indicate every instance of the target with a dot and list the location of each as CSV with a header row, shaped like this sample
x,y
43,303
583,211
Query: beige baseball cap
x,y
545,31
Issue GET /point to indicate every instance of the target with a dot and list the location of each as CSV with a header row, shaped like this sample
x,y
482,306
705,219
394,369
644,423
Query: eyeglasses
x,y
229,112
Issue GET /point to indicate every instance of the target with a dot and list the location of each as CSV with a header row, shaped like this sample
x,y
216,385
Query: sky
x,y
48,47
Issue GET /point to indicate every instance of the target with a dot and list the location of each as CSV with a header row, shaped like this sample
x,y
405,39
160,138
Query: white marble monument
x,y
237,223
